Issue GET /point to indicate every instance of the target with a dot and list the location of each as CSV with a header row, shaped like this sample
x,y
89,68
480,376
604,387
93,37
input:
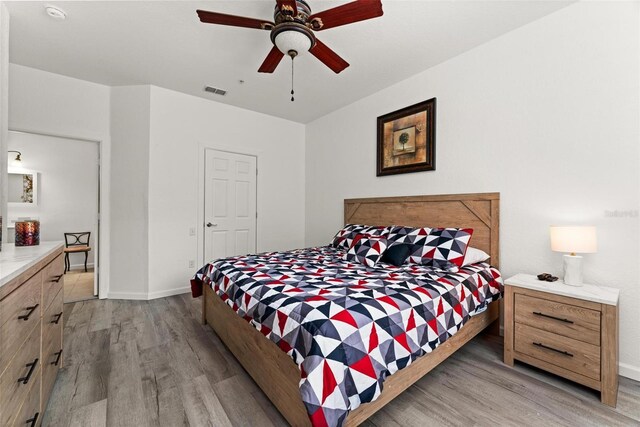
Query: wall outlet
x,y
192,263
192,231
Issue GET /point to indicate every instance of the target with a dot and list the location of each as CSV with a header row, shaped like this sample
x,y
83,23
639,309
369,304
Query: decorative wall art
x,y
407,139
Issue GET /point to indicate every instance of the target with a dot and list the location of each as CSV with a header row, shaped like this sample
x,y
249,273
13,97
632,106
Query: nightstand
x,y
566,330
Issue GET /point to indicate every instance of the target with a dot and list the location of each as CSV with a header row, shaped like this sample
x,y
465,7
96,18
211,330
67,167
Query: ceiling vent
x,y
215,90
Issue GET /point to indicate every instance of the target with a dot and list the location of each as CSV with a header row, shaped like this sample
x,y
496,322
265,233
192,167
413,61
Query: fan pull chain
x,y
292,58
292,53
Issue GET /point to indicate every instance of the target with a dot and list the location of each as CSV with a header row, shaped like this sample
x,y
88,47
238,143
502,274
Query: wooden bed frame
x,y
276,373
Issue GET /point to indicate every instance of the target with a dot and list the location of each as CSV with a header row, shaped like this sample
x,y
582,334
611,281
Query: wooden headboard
x,y
480,211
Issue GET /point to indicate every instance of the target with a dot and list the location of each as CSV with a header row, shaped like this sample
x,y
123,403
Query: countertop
x,y
599,294
16,260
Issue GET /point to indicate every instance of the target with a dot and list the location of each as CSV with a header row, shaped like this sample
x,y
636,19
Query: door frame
x,y
202,164
101,257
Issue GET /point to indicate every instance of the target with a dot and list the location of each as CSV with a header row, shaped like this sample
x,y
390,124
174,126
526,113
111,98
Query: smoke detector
x,y
55,12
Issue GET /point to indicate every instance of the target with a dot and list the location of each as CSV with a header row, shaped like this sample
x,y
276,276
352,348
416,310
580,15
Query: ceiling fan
x,y
293,31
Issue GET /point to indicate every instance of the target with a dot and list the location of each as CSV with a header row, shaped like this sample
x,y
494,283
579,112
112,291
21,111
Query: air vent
x,y
215,90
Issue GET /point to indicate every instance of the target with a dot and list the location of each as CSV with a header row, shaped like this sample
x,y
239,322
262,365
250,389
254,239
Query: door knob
x,y
211,225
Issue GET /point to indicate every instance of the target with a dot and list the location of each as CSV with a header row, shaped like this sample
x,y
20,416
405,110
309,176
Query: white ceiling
x,y
163,43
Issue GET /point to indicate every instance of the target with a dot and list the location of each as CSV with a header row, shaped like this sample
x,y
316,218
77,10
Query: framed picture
x,y
407,139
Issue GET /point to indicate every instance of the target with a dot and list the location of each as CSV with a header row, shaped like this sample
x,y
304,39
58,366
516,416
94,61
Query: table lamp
x,y
573,239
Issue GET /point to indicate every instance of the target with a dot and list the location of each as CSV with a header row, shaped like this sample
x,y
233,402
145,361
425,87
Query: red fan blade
x,y
232,20
355,11
271,61
328,57
288,7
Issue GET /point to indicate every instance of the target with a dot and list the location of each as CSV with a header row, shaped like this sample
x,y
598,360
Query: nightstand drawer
x,y
568,320
576,356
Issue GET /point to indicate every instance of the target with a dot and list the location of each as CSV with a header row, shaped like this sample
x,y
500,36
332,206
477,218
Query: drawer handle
x,y
539,344
32,421
58,354
537,313
57,316
31,310
57,278
32,367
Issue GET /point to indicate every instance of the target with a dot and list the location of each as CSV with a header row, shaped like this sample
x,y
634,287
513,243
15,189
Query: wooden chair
x,y
76,243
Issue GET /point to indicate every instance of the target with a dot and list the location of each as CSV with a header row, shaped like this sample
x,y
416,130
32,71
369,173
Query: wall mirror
x,y
22,187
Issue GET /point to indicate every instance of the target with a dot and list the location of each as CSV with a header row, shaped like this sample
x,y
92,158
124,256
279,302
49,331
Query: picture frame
x,y
406,139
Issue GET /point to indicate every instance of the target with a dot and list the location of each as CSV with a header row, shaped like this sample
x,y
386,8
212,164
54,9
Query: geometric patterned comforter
x,y
348,326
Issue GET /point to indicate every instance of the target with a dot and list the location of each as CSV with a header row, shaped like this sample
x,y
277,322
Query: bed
x,y
243,323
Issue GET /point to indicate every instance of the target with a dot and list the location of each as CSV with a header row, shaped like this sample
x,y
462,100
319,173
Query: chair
x,y
76,243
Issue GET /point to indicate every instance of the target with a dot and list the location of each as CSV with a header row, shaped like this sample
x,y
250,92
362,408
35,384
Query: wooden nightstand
x,y
567,330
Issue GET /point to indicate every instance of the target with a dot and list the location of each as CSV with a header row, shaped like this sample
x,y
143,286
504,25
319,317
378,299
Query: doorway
x,y
65,199
230,212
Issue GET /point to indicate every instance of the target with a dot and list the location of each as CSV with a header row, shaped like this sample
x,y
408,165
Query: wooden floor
x,y
78,285
151,363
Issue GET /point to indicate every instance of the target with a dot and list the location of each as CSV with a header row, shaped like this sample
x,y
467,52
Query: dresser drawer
x,y
568,320
50,366
19,313
52,280
51,347
24,366
52,322
29,413
576,356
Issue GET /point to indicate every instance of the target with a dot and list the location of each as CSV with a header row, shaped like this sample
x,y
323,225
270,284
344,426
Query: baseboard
x,y
150,295
169,292
81,266
629,371
128,295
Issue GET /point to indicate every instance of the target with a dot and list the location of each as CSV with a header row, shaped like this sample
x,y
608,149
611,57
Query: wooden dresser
x,y
567,330
31,318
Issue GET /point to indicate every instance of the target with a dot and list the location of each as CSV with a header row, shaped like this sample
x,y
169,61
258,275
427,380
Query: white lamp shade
x,y
574,239
292,40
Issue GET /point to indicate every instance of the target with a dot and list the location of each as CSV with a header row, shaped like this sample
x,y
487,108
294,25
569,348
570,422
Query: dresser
x,y
566,330
31,318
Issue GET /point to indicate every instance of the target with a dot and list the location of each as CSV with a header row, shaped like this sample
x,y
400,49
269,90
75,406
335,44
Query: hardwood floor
x,y
151,363
78,285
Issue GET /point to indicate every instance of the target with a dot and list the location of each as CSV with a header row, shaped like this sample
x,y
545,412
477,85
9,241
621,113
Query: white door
x,y
230,204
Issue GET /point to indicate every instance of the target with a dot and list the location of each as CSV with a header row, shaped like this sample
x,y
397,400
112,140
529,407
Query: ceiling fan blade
x,y
271,61
355,11
288,5
232,20
328,57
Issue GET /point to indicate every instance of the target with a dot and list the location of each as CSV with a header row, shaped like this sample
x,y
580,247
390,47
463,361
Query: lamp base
x,y
572,270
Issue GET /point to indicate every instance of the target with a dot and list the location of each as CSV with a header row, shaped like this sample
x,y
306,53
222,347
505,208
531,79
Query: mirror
x,y
22,187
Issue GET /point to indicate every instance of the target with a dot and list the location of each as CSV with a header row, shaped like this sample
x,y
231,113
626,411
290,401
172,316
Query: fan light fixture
x,y
292,40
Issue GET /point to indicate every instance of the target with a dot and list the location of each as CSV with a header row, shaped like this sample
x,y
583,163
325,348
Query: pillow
x,y
414,238
443,246
344,237
404,234
396,254
475,256
366,249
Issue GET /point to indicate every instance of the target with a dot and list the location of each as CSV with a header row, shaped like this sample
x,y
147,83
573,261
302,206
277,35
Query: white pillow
x,y
474,256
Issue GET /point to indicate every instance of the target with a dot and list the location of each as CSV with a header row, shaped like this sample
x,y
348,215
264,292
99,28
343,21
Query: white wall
x,y
548,115
49,103
130,121
181,127
55,104
4,115
67,187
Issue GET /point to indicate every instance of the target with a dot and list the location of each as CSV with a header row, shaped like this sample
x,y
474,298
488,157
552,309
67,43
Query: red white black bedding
x,y
346,325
